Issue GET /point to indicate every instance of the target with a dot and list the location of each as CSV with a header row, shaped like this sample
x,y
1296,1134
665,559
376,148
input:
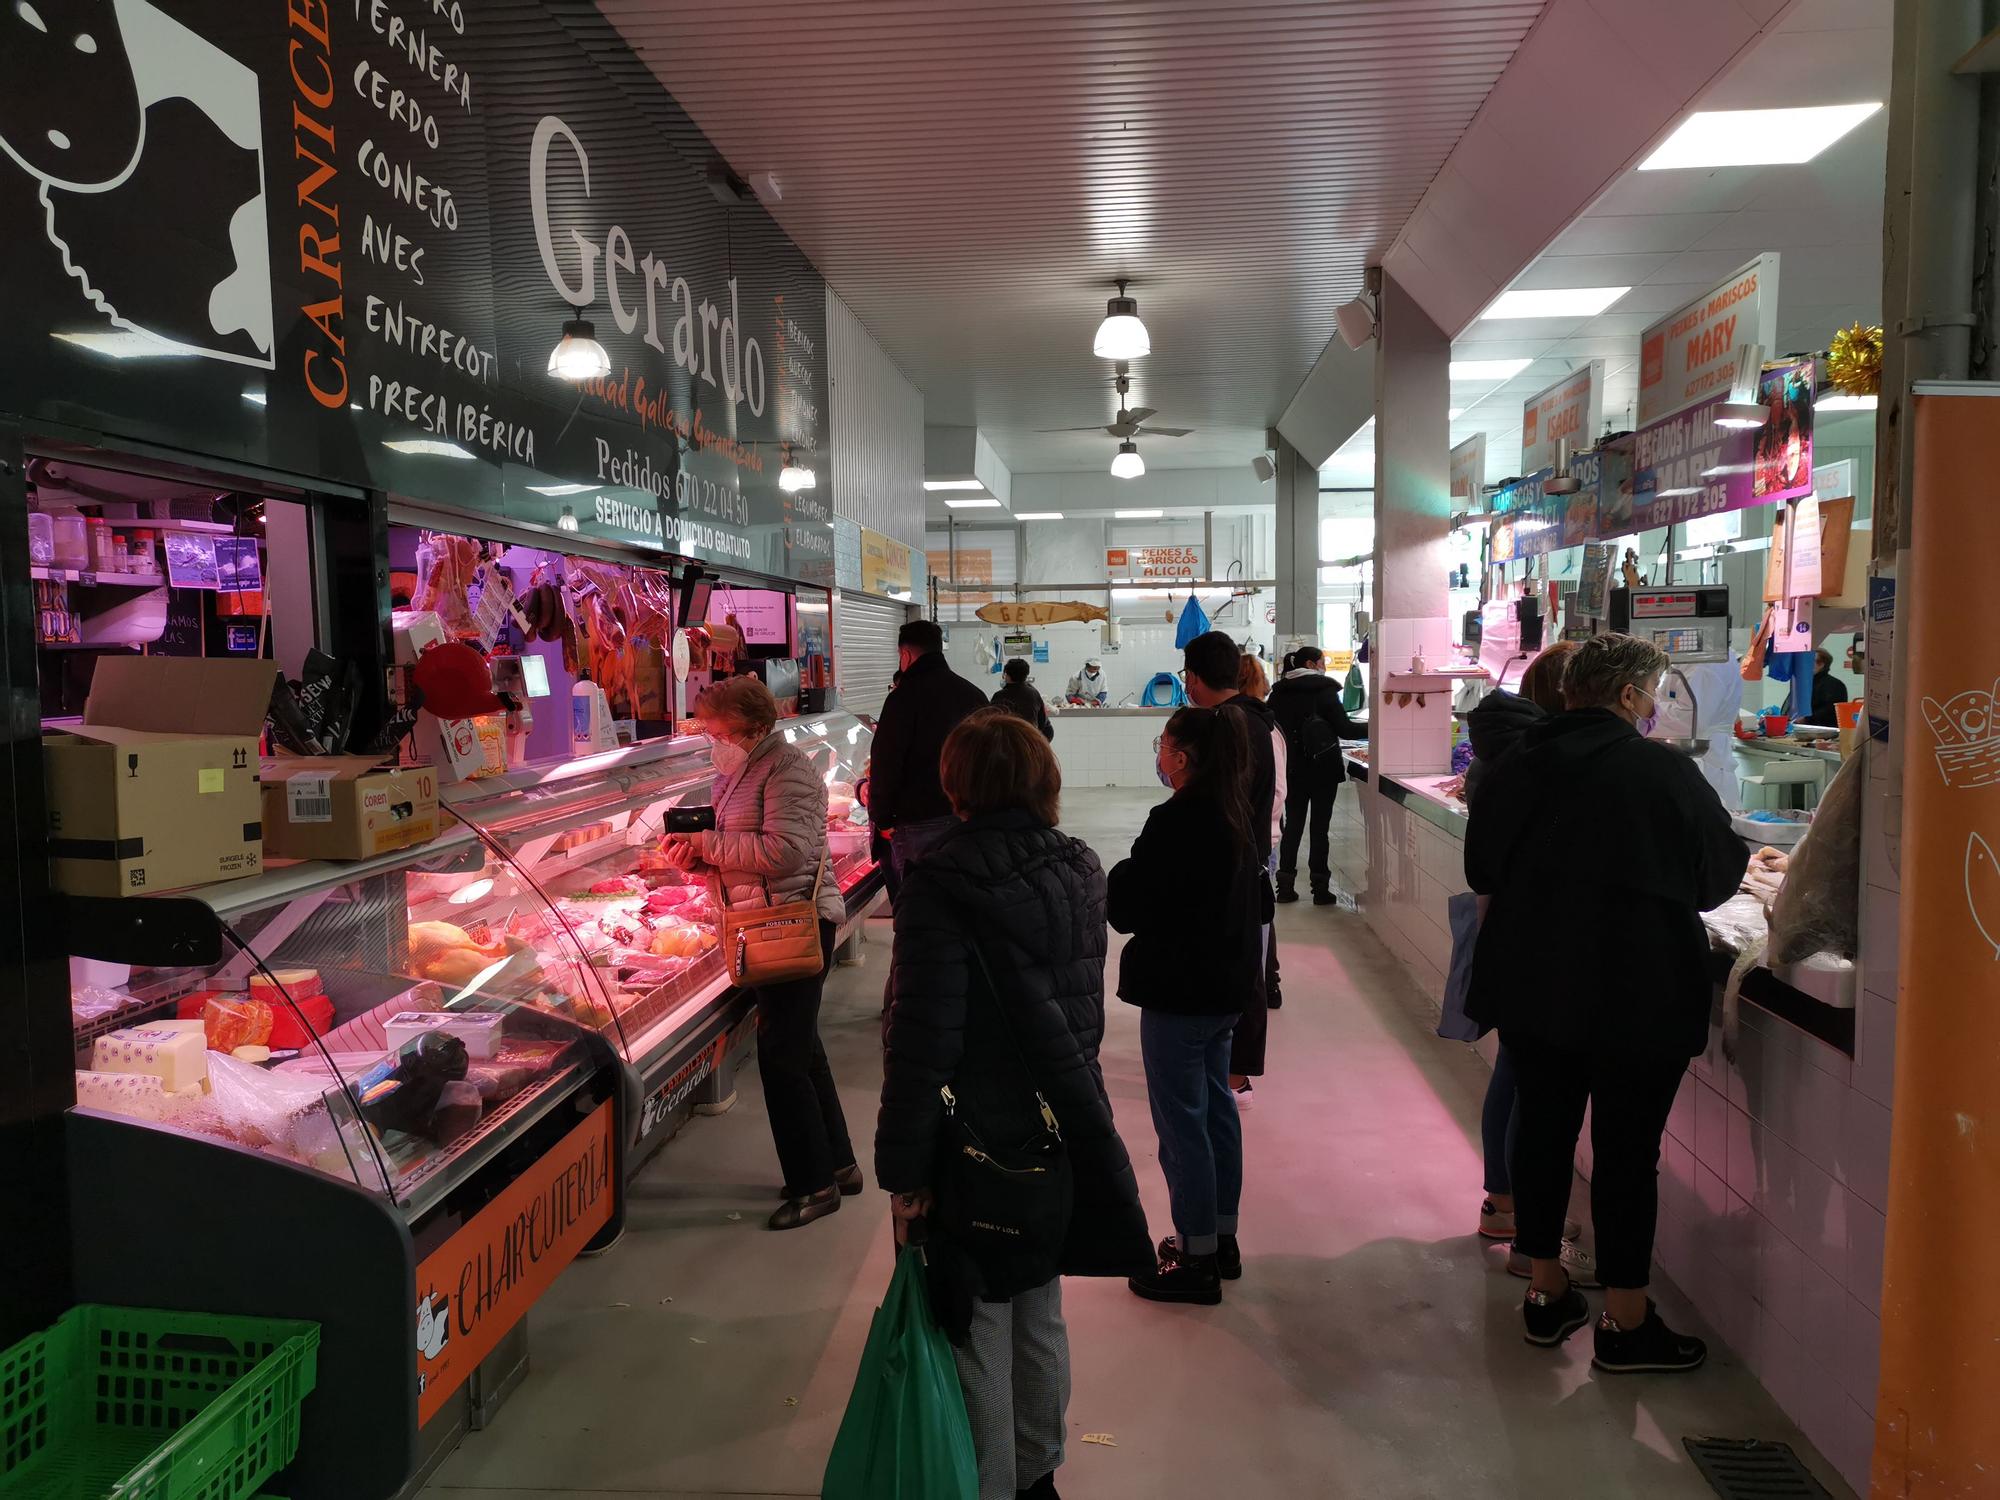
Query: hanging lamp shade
x,y
1126,463
578,355
1121,335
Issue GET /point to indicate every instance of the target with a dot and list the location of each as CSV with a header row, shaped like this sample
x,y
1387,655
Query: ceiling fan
x,y
1130,424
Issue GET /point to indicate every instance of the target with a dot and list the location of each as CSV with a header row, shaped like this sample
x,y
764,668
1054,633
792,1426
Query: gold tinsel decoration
x,y
1854,362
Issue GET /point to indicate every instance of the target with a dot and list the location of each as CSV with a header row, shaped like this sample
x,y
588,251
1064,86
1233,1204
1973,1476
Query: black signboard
x,y
340,238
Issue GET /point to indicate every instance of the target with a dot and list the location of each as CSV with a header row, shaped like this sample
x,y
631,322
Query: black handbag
x,y
1004,1199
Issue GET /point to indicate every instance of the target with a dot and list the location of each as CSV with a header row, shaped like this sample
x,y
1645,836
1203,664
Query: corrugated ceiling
x,y
972,177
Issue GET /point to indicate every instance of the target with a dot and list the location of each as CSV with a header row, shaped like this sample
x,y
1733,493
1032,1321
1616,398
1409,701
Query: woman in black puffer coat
x,y
1032,900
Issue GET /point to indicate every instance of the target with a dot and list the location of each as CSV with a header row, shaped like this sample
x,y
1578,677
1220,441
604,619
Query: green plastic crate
x,y
126,1403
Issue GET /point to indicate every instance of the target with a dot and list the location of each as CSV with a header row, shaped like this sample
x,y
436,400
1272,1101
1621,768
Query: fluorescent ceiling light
x,y
1137,515
954,484
255,398
1756,137
985,502
1844,403
561,489
1038,515
1454,414
1569,302
127,343
430,447
1488,369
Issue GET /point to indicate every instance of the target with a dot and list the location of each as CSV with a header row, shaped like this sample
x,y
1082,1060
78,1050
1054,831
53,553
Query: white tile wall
x,y
1107,749
1773,1173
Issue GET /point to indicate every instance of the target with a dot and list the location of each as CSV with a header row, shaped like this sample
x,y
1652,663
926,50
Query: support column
x,y
1412,525
1928,919
1297,547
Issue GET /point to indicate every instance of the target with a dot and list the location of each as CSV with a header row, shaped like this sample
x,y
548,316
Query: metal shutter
x,y
864,649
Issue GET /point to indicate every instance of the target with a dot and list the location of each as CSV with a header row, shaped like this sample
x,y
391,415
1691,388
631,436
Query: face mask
x,y
1165,780
727,756
1650,721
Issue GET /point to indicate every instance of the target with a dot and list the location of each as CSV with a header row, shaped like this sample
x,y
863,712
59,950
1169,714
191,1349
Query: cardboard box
x,y
157,788
346,807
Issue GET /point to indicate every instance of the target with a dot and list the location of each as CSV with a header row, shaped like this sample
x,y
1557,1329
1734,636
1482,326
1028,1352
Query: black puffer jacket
x,y
1191,897
1022,699
1033,899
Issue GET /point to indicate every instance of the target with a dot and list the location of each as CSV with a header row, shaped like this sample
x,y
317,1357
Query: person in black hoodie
x,y
905,800
1017,695
1625,843
1005,911
1213,670
1307,705
1192,896
1496,727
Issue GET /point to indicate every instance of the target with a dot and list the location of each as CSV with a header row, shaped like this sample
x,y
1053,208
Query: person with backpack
x,y
1308,707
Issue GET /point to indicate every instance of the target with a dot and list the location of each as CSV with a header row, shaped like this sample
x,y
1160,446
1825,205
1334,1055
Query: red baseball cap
x,y
455,681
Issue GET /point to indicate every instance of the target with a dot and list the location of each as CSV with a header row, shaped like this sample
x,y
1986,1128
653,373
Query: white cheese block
x,y
137,1096
479,1030
179,1059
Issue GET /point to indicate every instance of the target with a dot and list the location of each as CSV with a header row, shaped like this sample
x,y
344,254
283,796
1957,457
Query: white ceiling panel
x,y
1679,232
972,176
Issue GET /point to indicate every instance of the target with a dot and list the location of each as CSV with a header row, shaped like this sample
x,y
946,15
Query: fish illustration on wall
x,y
1982,890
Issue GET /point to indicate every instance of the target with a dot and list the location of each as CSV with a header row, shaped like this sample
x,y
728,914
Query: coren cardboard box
x,y
346,807
157,788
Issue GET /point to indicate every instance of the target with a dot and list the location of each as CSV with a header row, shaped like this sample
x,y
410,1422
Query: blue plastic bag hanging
x,y
1194,622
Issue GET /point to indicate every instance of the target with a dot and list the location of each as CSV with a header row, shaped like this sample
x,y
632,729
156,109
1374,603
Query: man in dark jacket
x,y
1603,848
1828,691
904,798
1212,662
1018,696
1307,704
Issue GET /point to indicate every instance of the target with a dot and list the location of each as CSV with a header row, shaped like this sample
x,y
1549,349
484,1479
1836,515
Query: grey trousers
x,y
1015,1372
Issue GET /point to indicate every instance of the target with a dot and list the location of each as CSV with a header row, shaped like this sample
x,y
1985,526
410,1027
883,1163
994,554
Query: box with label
x,y
478,1029
158,787
346,807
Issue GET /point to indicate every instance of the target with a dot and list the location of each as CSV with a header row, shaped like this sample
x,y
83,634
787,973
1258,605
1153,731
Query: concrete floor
x,y
1372,1348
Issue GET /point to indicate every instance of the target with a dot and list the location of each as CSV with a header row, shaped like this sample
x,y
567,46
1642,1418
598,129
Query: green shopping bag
x,y
906,1435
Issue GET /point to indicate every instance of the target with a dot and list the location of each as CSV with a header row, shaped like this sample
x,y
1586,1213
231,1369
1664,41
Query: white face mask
x,y
727,756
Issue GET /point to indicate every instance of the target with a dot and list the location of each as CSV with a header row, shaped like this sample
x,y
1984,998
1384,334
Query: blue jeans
x,y
1201,1138
1499,1124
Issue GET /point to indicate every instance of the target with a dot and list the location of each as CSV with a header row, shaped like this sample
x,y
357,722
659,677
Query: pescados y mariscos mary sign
x,y
340,239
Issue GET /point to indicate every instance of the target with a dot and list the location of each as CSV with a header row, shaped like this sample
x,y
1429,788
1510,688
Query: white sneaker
x,y
1579,1262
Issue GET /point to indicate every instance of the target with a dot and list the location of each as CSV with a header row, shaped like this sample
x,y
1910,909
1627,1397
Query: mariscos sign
x,y
1152,562
1690,355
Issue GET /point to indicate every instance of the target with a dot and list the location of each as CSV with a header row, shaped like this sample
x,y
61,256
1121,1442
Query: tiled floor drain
x,y
1751,1469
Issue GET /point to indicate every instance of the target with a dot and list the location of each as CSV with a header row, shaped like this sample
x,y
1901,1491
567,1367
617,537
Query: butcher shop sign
x,y
482,1281
340,241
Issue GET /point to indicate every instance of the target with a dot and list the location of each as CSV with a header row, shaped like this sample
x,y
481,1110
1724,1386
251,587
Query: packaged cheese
x,y
179,1059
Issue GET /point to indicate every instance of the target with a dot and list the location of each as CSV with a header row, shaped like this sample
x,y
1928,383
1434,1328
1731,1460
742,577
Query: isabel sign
x,y
380,216
1690,355
1571,410
482,1281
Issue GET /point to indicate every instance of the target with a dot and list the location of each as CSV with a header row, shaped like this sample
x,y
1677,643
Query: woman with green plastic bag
x,y
996,1011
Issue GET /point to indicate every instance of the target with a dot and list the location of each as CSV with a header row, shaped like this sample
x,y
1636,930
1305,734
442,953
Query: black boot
x,y
1185,1278
1228,1255
1288,889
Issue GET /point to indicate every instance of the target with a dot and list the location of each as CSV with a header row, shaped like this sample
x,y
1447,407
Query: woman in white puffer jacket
x,y
768,847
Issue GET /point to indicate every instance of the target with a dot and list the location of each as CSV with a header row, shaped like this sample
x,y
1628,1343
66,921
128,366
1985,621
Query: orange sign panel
x,y
1934,1411
482,1281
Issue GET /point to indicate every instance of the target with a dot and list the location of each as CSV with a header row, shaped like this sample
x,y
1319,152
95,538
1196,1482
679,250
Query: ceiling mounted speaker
x,y
1356,321
1263,468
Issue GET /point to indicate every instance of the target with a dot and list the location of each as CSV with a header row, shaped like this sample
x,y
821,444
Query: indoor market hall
x,y
999,749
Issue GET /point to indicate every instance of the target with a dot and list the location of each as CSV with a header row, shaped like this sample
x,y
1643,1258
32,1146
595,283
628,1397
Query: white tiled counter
x,y
1108,746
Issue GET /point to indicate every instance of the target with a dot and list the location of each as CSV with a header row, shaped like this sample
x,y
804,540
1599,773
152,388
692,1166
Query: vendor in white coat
x,y
1088,686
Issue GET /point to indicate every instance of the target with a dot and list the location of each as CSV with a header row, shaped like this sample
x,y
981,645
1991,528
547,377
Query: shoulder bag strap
x,y
1007,1025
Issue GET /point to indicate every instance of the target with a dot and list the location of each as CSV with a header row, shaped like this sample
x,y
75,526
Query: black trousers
x,y
1308,800
1629,1099
807,1125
